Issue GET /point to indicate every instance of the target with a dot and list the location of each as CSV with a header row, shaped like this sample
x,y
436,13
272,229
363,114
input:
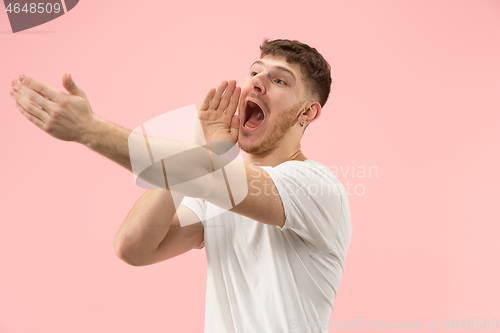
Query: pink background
x,y
415,95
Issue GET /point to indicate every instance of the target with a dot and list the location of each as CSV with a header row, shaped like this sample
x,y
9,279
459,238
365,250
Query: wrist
x,y
91,135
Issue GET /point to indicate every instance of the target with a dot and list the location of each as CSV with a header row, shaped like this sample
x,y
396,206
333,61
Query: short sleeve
x,y
312,200
197,206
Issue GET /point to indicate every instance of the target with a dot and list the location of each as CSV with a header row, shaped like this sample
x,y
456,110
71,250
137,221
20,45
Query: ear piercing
x,y
303,120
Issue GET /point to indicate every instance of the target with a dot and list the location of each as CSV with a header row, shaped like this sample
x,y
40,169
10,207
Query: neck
x,y
277,156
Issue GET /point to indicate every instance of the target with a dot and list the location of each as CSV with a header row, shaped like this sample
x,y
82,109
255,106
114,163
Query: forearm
x,y
159,161
110,141
146,226
183,167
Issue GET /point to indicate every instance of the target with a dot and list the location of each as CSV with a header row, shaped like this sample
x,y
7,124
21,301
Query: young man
x,y
275,259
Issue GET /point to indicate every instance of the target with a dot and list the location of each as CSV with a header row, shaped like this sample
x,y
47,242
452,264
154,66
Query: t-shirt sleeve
x,y
312,201
197,206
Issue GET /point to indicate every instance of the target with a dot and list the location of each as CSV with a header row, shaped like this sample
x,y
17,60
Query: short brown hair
x,y
314,67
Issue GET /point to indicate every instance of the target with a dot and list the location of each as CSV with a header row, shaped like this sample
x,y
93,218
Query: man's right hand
x,y
65,116
217,113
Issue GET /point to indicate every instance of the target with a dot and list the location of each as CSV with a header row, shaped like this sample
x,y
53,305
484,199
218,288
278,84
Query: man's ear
x,y
311,113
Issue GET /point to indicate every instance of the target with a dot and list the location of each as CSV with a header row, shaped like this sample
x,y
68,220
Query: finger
x,y
235,123
70,85
29,107
41,88
206,101
233,105
214,104
227,95
30,117
31,95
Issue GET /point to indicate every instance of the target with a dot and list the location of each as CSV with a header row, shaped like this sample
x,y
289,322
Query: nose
x,y
257,83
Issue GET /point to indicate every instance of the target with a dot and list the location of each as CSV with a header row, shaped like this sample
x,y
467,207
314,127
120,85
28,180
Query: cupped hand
x,y
217,113
64,116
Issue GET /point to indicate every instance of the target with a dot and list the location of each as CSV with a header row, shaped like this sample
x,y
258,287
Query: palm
x,y
217,113
217,126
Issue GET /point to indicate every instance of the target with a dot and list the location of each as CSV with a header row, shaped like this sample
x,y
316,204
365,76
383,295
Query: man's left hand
x,y
217,113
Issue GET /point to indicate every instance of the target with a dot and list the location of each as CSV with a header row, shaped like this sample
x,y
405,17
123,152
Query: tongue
x,y
256,119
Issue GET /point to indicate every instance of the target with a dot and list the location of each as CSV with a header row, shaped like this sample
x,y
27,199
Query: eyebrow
x,y
278,67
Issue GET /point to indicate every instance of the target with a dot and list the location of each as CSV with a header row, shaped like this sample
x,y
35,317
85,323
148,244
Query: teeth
x,y
251,104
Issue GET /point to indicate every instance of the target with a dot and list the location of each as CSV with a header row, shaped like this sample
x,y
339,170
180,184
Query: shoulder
x,y
305,172
308,166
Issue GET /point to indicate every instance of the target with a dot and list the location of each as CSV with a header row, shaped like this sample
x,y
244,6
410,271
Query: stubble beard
x,y
284,122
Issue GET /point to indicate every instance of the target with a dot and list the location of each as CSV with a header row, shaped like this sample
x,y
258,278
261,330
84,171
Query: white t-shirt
x,y
263,278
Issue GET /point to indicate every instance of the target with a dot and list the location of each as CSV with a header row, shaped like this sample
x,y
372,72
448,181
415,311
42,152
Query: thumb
x,y
235,125
71,86
235,121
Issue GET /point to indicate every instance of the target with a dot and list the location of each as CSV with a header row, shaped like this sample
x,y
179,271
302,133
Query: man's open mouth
x,y
254,115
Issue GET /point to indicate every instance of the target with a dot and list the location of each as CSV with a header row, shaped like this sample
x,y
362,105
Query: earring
x,y
302,124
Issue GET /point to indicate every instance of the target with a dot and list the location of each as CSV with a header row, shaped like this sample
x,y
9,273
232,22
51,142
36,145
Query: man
x,y
275,259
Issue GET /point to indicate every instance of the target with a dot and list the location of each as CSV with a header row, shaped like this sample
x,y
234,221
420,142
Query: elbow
x,y
125,253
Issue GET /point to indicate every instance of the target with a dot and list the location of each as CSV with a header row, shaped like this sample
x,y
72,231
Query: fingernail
x,y
21,79
12,93
13,83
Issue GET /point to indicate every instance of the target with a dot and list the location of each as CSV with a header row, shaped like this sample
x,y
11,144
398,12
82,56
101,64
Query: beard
x,y
286,120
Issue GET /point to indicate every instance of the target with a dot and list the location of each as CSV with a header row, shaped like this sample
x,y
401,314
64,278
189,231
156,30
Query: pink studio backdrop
x,y
411,128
